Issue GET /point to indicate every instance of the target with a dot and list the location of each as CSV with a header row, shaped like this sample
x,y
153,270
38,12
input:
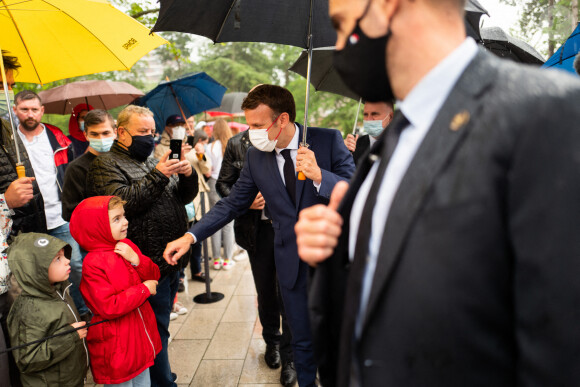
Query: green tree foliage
x,y
553,19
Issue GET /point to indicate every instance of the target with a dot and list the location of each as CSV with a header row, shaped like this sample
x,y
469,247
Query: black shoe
x,y
272,355
288,375
200,278
174,376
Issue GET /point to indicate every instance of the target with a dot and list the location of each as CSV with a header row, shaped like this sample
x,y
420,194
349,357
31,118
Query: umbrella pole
x,y
179,106
19,166
356,118
301,175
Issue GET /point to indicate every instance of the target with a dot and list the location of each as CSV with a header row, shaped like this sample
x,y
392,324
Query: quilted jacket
x,y
155,205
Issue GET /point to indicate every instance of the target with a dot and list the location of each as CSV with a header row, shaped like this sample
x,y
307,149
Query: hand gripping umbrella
x,y
57,39
253,21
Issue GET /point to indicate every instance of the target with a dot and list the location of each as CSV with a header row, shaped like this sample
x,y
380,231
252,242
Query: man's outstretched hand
x,y
319,228
177,248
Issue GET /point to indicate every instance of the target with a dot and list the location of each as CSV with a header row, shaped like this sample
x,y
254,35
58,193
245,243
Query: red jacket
x,y
125,346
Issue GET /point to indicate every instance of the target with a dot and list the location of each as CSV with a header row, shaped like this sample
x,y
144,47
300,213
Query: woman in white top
x,y
225,236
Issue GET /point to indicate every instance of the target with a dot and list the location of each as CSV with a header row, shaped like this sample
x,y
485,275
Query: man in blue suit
x,y
270,168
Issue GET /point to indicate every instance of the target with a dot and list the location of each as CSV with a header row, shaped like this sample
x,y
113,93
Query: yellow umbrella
x,y
56,39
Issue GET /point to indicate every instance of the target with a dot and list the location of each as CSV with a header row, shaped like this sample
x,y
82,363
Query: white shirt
x,y
421,108
41,157
216,157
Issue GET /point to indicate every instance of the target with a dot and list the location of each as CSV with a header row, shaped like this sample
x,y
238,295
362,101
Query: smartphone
x,y
190,141
175,146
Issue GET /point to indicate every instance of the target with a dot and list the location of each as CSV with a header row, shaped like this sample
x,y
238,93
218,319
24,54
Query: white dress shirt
x,y
41,157
420,107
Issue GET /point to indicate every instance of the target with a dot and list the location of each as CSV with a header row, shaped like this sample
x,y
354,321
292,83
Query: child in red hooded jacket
x,y
116,282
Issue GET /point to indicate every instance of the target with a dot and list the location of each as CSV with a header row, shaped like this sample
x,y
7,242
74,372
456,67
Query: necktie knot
x,y
286,154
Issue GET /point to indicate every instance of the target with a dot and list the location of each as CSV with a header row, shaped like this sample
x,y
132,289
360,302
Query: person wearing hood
x,y
116,284
100,131
76,129
41,265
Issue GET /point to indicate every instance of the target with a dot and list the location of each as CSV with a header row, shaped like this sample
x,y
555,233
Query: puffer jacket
x,y
44,310
155,203
245,226
30,217
113,289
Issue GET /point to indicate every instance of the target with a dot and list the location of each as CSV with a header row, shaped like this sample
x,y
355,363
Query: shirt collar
x,y
293,143
427,97
23,136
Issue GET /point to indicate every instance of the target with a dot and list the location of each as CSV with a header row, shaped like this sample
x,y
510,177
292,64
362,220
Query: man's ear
x,y
284,119
85,134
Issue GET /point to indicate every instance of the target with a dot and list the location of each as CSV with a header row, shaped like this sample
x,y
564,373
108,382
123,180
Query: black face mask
x,y
361,65
141,147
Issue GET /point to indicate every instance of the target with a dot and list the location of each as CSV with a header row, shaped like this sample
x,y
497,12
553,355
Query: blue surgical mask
x,y
373,127
102,145
4,107
82,126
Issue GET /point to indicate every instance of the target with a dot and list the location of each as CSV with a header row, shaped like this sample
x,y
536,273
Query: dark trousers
x,y
296,305
270,305
161,303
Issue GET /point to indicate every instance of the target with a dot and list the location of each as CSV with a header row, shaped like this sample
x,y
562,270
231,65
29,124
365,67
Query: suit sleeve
x,y
36,358
106,178
227,209
99,292
342,166
544,221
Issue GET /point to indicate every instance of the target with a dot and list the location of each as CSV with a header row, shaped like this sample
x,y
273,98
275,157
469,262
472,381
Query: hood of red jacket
x,y
89,224
73,124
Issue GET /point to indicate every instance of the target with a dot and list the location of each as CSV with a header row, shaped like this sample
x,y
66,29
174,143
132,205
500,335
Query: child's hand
x,y
152,286
125,251
82,332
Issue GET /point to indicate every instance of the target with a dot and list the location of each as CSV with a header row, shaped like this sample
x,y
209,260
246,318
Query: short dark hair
x,y
577,63
390,102
26,95
10,62
277,98
97,117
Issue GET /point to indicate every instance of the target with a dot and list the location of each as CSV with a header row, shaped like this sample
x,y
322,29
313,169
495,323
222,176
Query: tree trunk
x,y
574,6
551,43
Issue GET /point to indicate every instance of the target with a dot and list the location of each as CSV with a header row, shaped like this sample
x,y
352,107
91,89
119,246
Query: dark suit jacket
x,y
477,279
261,173
363,145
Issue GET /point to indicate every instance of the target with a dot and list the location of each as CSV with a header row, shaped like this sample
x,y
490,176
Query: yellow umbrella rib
x,y
22,40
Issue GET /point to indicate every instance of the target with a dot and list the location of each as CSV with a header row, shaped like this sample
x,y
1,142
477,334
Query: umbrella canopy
x,y
473,12
564,57
323,75
503,45
57,39
99,94
231,104
249,20
188,96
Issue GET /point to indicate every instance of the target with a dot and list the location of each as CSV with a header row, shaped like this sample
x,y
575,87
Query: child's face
x,y
119,223
59,268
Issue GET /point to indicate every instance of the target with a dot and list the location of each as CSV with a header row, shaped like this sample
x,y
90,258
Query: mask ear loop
x,y
272,124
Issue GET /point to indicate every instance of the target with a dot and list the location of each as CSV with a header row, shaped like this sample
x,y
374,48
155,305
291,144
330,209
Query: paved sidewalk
x,y
220,344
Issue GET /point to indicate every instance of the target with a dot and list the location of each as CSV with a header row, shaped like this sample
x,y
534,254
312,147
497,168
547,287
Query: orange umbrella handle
x,y
301,176
21,171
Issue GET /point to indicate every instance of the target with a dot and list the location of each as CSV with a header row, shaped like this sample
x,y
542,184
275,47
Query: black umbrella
x,y
503,45
473,12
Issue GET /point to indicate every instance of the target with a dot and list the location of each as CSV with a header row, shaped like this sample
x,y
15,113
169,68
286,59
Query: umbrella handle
x,y
301,176
20,170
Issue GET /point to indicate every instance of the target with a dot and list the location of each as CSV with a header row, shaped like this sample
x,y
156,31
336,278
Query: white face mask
x,y
259,138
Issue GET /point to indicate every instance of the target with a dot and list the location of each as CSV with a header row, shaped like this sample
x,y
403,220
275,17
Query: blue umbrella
x,y
564,57
185,96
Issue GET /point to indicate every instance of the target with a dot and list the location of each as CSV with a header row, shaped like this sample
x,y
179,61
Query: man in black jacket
x,y
254,233
156,193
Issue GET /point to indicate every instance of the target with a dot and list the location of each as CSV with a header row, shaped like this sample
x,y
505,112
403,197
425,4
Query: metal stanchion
x,y
208,297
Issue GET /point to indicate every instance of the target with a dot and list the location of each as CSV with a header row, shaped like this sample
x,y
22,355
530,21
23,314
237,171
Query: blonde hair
x,y
222,133
131,110
116,202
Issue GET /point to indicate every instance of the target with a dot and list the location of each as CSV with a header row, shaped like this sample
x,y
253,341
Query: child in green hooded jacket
x,y
41,265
